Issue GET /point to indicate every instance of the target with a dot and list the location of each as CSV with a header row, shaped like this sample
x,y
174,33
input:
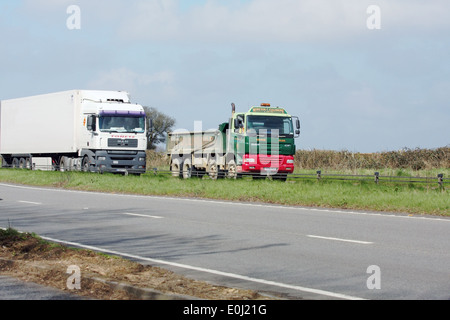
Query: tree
x,y
162,124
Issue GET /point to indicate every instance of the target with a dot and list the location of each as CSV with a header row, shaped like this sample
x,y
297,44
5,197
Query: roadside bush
x,y
415,159
156,159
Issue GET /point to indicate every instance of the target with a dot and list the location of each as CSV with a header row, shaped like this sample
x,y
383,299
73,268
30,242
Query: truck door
x,y
237,137
90,129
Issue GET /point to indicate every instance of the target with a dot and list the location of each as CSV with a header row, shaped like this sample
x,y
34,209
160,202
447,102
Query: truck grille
x,y
266,159
130,143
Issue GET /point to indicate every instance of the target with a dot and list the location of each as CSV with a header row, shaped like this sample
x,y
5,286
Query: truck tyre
x,y
63,164
175,168
232,170
213,170
15,163
187,169
28,164
22,163
86,164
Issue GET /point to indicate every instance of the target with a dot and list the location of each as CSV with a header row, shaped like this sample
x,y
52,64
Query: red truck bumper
x,y
269,164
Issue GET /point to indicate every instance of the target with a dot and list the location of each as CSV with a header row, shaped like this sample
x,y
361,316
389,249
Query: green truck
x,y
258,143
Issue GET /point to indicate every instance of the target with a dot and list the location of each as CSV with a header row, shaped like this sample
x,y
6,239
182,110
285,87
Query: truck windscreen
x,y
266,124
122,124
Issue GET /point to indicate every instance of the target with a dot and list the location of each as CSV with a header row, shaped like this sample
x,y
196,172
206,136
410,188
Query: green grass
x,y
358,195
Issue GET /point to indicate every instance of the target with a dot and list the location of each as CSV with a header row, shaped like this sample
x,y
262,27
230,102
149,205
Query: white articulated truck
x,y
98,131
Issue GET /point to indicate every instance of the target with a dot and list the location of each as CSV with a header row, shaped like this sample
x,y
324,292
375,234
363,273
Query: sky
x,y
363,76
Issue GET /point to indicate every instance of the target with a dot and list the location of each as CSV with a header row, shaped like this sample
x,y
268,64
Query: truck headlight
x,y
101,159
141,159
290,161
249,160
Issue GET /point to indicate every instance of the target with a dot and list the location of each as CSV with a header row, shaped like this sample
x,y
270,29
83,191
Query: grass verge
x,y
358,195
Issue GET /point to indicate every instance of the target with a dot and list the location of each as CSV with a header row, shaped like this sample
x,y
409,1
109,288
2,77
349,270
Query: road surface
x,y
13,289
298,253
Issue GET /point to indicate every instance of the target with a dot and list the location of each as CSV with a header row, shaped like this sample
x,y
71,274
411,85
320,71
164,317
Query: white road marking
x,y
212,271
339,239
142,215
29,202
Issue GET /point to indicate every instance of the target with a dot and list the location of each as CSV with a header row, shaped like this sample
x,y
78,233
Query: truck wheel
x,y
232,170
175,168
85,165
22,163
28,164
187,169
15,163
213,171
63,164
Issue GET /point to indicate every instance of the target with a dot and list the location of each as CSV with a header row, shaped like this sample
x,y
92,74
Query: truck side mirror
x,y
91,123
297,125
236,123
150,127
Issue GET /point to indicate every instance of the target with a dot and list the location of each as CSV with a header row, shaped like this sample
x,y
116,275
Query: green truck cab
x,y
258,143
263,140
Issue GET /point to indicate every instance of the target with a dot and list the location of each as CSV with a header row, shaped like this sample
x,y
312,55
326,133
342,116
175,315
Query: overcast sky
x,y
360,78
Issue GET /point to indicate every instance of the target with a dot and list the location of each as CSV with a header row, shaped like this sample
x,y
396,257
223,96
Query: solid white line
x,y
339,239
142,215
216,272
29,202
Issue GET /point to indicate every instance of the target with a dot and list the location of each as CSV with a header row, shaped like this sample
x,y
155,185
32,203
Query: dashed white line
x,y
142,215
339,239
29,202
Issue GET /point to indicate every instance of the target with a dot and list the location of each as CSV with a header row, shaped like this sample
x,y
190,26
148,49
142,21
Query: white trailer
x,y
77,130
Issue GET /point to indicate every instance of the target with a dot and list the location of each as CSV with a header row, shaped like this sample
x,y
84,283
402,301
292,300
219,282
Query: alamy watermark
x,y
374,20
73,22
74,280
374,280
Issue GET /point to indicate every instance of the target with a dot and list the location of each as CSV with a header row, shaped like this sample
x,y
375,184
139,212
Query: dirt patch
x,y
26,257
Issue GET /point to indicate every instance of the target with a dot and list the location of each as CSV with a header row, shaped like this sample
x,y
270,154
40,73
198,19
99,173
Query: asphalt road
x,y
13,289
292,251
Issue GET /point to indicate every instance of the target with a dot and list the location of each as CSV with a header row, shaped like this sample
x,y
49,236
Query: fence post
x,y
319,175
155,171
377,177
441,180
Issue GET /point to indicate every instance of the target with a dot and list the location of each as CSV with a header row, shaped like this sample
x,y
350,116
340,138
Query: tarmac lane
x,y
14,289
